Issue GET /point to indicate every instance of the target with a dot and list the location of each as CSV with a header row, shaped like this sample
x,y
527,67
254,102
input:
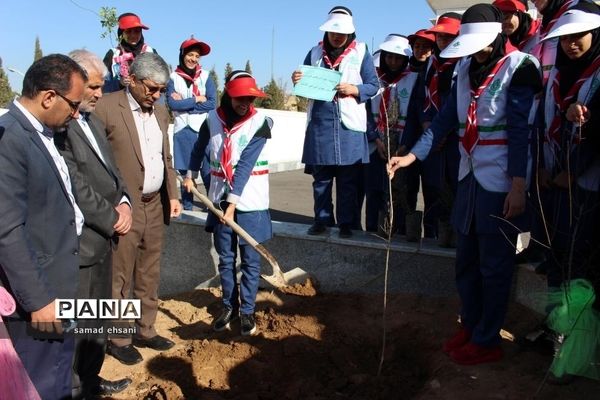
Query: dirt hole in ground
x,y
317,346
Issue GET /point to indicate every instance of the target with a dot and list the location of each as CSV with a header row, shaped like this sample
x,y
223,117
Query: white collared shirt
x,y
46,135
85,126
90,136
151,142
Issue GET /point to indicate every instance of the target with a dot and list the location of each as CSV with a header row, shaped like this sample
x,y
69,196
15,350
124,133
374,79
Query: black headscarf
x,y
551,8
231,117
445,78
416,65
190,71
385,72
485,13
520,33
128,47
571,70
332,52
436,49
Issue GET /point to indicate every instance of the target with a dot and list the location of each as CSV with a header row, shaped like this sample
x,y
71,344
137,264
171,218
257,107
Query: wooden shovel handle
x,y
232,224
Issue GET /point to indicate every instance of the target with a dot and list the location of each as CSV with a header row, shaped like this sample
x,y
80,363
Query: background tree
x,y
6,93
228,70
248,68
212,74
276,99
109,21
38,50
302,103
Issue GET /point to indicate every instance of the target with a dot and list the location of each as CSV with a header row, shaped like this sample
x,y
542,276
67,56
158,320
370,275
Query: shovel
x,y
277,278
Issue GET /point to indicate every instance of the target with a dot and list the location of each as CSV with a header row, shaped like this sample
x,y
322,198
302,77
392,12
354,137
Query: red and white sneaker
x,y
457,341
473,354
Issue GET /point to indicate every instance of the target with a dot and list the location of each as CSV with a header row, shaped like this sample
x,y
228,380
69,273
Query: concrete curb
x,y
339,265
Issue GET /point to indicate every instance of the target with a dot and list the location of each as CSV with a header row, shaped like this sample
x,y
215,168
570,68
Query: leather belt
x,y
148,197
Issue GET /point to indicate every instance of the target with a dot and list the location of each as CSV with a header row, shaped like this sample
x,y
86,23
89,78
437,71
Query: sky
x,y
236,30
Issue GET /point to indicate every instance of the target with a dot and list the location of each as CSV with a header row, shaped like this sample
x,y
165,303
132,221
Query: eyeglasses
x,y
74,105
153,89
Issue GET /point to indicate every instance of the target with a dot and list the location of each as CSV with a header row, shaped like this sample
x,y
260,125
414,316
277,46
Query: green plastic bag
x,y
575,318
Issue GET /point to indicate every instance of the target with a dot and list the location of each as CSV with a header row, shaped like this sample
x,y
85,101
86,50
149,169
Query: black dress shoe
x,y
127,355
106,387
345,232
156,343
316,229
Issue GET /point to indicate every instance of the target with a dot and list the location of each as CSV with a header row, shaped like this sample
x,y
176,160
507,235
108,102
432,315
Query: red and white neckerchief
x,y
384,104
184,75
226,164
337,62
471,136
566,5
433,96
562,104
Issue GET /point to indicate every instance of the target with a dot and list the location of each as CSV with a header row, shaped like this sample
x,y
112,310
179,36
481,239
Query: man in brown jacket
x,y
136,129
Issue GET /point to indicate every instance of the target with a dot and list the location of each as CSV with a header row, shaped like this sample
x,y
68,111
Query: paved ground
x,y
291,197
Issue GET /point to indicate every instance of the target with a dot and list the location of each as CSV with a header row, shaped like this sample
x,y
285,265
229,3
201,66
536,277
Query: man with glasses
x,y
136,129
39,246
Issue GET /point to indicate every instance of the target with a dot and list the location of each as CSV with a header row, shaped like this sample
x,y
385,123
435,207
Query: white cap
x,y
574,21
472,38
396,44
338,23
376,57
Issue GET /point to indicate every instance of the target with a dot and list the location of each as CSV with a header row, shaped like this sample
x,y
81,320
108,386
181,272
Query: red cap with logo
x,y
422,34
447,25
191,42
130,21
244,86
510,5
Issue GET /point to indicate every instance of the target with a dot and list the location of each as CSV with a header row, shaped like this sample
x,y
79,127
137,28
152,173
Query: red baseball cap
x,y
191,42
510,5
129,21
244,86
447,25
423,34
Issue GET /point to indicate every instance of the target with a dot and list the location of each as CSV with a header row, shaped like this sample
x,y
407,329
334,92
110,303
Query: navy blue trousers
x,y
485,256
346,184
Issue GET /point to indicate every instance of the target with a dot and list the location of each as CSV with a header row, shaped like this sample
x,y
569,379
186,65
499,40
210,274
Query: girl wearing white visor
x,y
490,103
389,111
569,170
335,145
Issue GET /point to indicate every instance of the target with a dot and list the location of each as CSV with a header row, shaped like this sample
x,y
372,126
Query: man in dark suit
x,y
102,197
39,256
136,129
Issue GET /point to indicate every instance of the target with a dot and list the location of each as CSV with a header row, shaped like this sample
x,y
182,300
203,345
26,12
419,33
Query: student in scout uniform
x,y
191,93
335,144
131,44
545,51
518,25
236,134
389,110
440,169
569,170
422,44
493,173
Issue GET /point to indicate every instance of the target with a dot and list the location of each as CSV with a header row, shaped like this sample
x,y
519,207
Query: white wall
x,y
287,139
285,145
